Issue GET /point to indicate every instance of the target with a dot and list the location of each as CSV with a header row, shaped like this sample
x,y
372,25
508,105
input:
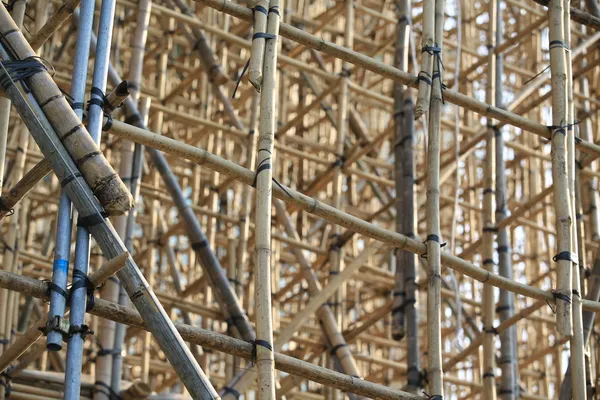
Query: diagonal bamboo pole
x,y
105,183
91,211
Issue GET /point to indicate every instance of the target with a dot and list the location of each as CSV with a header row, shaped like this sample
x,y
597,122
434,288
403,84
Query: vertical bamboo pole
x,y
428,40
130,167
336,253
10,258
489,345
562,206
433,241
255,65
509,388
577,344
264,174
78,298
405,208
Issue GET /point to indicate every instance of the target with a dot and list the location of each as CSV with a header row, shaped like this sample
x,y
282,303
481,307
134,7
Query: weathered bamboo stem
x,y
105,182
564,320
265,162
433,241
142,296
318,208
488,223
217,341
405,295
483,109
509,388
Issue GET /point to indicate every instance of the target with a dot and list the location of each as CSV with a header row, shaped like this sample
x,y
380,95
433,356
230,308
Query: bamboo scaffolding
x,y
348,150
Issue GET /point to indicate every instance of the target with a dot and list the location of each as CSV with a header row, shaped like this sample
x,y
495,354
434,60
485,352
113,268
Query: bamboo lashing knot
x,y
227,390
558,296
102,102
335,348
259,342
92,219
433,396
566,255
436,52
5,379
110,393
263,166
19,70
9,211
434,238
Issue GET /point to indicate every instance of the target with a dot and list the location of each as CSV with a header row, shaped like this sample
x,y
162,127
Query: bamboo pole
x,y
564,321
33,334
509,388
220,342
141,295
488,220
405,307
264,174
105,183
318,208
483,109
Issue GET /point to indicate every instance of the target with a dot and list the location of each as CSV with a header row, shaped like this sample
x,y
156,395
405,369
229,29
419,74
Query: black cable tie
x,y
133,119
499,309
92,219
200,245
260,9
433,396
491,330
558,43
561,296
503,249
424,77
239,80
263,35
53,287
110,393
264,165
490,229
258,342
566,255
335,348
109,122
489,261
339,161
274,10
227,389
489,375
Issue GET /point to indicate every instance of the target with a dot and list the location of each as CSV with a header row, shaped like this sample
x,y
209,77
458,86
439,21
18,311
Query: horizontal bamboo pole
x,y
331,214
30,336
363,61
219,342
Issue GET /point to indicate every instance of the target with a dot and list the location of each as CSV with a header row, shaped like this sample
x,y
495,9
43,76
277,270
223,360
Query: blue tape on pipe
x,y
62,265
